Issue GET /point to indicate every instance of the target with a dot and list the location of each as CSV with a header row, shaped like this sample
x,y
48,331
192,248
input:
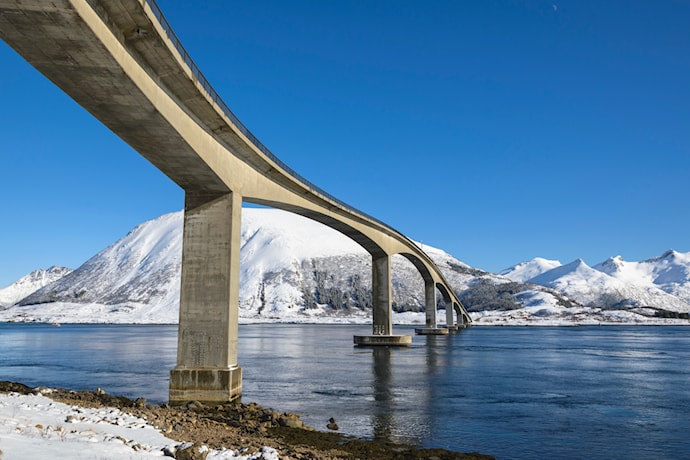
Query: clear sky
x,y
497,130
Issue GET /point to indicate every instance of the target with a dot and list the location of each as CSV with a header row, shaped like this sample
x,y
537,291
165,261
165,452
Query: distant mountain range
x,y
658,286
29,284
294,269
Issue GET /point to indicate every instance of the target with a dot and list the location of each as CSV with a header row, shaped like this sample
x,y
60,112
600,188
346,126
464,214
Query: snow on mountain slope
x,y
670,272
137,277
594,288
291,268
30,283
294,269
528,270
275,244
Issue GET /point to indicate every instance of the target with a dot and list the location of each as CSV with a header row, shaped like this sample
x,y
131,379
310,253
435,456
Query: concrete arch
x,y
444,292
358,236
129,70
420,266
432,282
461,318
448,300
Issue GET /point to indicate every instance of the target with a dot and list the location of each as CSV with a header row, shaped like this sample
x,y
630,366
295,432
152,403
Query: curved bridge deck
x,y
121,61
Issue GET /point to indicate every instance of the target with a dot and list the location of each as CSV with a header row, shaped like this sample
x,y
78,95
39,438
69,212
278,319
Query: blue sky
x,y
498,130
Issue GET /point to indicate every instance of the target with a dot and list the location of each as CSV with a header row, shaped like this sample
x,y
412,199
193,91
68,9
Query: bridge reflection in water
x,y
383,420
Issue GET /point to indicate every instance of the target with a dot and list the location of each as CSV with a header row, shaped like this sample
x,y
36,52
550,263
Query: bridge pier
x,y
430,303
207,367
430,307
382,294
451,308
146,89
450,322
382,308
463,321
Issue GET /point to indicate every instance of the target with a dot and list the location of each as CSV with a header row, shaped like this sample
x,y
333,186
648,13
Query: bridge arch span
x,y
371,246
128,69
420,265
381,265
432,279
444,292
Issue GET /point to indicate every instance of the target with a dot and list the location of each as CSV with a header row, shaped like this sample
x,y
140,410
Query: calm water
x,y
528,393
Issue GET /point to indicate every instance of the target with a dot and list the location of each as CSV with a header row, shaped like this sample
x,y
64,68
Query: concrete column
x,y
207,367
461,317
382,293
430,303
450,306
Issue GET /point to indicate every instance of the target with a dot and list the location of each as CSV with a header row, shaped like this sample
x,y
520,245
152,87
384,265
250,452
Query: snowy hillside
x,y
670,272
30,283
525,271
594,288
294,269
615,290
137,277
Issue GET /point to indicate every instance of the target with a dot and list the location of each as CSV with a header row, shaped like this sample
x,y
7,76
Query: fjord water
x,y
614,392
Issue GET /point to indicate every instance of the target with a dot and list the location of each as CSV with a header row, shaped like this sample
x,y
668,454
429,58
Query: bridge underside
x,y
120,61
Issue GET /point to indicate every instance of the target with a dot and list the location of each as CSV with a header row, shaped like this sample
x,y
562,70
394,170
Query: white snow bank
x,y
36,427
553,315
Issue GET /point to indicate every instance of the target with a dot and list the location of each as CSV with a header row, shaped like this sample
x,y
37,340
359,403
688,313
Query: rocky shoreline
x,y
248,427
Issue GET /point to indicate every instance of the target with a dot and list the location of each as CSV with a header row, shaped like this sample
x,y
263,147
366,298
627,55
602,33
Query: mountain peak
x,y
618,260
671,257
28,284
669,254
610,265
529,269
576,266
577,263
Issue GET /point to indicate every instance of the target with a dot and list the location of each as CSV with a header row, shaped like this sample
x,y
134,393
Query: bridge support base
x,y
431,331
205,385
383,340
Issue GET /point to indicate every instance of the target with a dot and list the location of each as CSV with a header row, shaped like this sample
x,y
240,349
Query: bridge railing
x,y
236,121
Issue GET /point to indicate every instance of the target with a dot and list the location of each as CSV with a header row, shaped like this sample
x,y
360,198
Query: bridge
x,y
121,61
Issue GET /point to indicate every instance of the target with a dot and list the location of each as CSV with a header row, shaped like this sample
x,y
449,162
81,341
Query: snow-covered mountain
x,y
657,287
595,288
295,269
670,272
28,284
292,268
525,271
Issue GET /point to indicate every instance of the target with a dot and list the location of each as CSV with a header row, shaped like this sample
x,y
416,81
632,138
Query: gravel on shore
x,y
245,426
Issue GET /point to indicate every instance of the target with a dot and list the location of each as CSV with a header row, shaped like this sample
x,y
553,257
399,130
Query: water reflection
x,y
589,392
436,348
403,391
383,419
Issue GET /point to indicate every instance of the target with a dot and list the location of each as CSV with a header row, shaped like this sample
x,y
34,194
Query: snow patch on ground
x,y
36,427
575,316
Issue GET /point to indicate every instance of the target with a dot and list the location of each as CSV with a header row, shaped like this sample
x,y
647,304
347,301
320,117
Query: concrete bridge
x,y
121,61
